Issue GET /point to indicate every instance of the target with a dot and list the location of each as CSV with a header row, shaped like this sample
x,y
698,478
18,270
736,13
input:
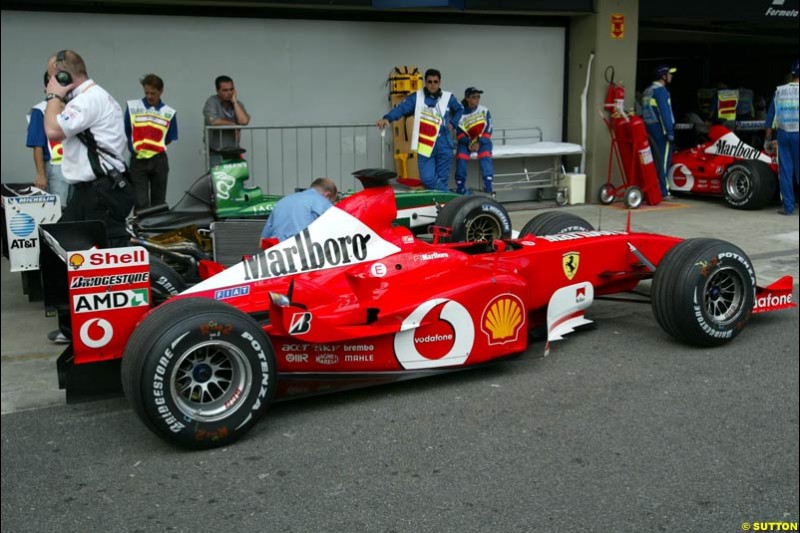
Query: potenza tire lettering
x,y
704,291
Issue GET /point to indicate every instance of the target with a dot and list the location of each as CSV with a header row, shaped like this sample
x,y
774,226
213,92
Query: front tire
x,y
473,219
749,185
703,292
199,373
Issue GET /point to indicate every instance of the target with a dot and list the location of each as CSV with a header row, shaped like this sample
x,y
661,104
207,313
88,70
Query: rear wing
x,y
99,295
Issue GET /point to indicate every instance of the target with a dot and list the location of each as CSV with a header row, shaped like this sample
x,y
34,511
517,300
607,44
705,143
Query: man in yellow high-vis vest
x,y
150,125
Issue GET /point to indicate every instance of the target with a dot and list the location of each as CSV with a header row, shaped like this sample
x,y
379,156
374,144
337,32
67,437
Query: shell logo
x,y
76,261
503,319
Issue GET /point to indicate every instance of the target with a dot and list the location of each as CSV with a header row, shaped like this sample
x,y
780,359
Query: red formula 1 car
x,y
725,166
354,300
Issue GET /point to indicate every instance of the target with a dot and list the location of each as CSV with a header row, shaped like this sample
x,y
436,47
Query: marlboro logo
x,y
736,150
307,254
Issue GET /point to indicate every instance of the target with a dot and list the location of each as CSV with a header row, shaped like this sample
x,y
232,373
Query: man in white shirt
x,y
89,123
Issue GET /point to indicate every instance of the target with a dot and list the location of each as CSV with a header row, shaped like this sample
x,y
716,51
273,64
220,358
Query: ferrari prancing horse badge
x,y
570,262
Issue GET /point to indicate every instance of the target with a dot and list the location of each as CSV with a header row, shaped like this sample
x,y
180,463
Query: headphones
x,y
63,77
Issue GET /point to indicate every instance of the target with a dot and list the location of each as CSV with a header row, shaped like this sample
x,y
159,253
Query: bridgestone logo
x,y
307,254
82,282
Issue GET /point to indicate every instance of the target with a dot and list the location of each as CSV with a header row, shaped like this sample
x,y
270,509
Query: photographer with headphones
x,y
89,123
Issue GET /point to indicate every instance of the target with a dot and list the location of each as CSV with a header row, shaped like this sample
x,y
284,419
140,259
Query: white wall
x,y
287,72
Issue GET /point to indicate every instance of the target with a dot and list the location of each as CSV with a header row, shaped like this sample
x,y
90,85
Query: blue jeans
x,y
56,184
788,161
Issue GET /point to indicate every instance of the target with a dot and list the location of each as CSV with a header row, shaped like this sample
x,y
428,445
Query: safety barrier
x,y
283,158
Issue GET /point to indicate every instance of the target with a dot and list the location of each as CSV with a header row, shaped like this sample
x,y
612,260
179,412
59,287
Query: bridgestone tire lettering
x,y
199,373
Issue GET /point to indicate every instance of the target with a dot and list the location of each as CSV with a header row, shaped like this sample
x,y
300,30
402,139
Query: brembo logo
x,y
307,254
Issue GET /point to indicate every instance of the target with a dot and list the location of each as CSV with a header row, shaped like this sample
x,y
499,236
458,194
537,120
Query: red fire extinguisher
x,y
634,146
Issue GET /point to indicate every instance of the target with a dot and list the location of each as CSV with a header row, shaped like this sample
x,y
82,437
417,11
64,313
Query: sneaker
x,y
57,337
668,198
783,212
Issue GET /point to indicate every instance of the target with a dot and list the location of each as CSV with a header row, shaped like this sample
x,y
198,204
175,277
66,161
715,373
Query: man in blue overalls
x,y
660,123
435,112
783,116
474,136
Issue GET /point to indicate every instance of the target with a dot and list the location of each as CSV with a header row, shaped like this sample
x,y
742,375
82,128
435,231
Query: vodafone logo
x,y
440,332
96,332
681,178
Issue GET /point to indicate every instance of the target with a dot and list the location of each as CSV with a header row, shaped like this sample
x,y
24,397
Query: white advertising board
x,y
23,216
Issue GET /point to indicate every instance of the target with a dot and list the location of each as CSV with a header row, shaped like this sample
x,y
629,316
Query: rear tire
x,y
473,219
703,292
165,282
553,223
199,373
749,185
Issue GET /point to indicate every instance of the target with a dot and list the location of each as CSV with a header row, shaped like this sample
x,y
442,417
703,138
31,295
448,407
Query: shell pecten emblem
x,y
570,262
76,261
503,319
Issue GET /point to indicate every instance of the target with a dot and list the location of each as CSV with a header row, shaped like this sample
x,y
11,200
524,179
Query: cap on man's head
x,y
664,69
796,67
472,90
